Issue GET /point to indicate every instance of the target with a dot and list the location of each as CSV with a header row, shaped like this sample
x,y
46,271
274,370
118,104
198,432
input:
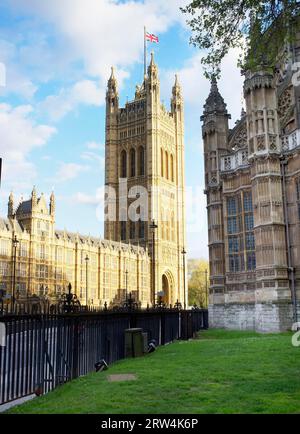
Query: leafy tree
x,y
258,27
198,282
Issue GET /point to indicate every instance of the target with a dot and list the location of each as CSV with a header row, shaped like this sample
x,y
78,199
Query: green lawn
x,y
221,372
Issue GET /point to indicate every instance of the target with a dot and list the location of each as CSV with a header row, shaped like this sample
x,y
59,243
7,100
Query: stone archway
x,y
167,288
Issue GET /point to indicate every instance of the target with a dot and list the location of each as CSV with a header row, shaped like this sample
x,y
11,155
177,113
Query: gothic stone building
x,y
145,156
46,260
252,177
144,147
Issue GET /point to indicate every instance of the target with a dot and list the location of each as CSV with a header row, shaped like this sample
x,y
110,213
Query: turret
x,y
215,137
34,197
262,121
112,96
215,132
153,87
10,212
52,204
177,100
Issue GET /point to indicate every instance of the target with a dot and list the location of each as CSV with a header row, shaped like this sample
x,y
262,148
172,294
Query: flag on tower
x,y
152,38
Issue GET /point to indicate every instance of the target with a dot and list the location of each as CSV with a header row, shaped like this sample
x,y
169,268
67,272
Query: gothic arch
x,y
132,163
141,163
172,167
167,165
123,164
167,281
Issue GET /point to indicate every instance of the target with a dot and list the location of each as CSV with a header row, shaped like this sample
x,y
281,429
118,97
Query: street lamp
x,y
15,245
153,226
184,279
126,284
86,279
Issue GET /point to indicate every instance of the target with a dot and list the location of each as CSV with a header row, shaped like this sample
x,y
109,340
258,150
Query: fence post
x,y
75,367
163,327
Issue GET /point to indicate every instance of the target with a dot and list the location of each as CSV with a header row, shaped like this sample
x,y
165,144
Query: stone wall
x,y
261,317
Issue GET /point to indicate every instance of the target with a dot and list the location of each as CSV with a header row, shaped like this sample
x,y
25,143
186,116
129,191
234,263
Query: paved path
x,y
9,405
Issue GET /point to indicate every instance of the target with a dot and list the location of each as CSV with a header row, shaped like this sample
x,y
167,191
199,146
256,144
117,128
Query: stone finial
x,y
10,212
52,203
33,196
215,102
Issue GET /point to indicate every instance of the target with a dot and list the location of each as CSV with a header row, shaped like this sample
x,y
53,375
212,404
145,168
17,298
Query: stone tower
x,y
144,174
215,137
272,297
35,216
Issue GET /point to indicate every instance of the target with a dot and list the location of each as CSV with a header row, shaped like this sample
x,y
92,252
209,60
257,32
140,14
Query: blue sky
x,y
58,56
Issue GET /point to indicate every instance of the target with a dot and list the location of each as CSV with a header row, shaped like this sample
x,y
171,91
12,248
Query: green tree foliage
x,y
197,283
258,27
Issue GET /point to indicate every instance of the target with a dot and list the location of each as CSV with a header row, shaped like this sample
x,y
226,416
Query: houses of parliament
x,y
144,149
252,177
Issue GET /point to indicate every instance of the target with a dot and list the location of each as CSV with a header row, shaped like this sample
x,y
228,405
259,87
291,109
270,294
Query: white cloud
x,y
85,92
16,81
94,145
88,199
102,33
196,87
92,156
20,134
68,171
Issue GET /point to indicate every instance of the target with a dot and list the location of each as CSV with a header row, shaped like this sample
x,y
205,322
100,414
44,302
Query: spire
x,y
112,75
176,91
152,59
112,96
10,212
176,101
152,68
215,103
52,204
34,196
112,82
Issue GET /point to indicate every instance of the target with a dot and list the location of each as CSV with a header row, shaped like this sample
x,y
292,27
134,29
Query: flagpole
x,y
145,52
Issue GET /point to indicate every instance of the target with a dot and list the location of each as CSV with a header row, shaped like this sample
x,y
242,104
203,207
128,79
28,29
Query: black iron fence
x,y
40,352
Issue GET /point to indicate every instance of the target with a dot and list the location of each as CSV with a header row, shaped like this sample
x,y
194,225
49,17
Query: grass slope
x,y
221,372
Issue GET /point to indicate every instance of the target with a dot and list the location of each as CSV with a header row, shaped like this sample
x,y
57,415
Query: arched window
x,y
141,161
167,165
132,163
132,230
172,168
162,162
141,229
123,230
123,164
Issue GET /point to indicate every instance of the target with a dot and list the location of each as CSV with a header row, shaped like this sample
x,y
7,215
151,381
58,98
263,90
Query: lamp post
x,y
153,226
15,245
86,279
184,279
126,285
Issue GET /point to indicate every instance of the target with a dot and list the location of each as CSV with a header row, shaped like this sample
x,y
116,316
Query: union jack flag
x,y
152,38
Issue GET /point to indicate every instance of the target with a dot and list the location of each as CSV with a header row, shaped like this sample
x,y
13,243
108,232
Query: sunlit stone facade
x,y
47,260
144,147
252,177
